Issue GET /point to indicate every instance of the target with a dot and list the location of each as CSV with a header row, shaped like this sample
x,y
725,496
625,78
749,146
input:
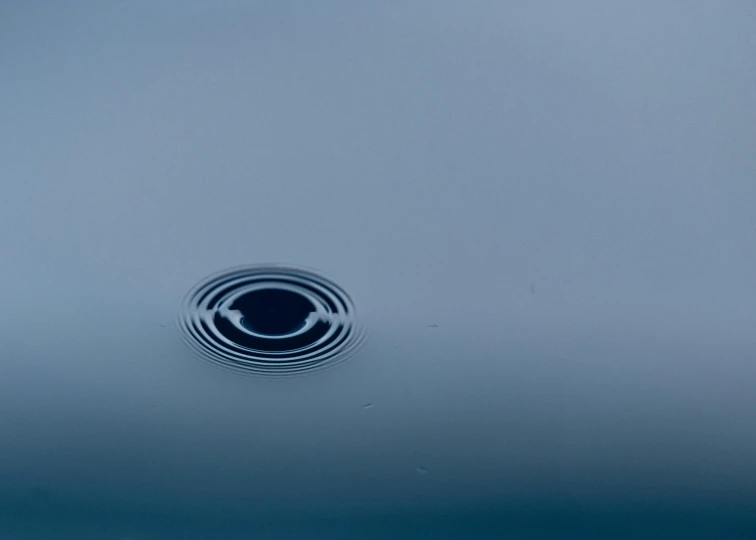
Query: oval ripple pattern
x,y
274,320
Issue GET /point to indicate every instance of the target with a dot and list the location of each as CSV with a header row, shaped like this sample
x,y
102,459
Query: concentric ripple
x,y
274,320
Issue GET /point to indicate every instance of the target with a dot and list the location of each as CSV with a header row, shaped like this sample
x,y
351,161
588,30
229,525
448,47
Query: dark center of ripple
x,y
273,312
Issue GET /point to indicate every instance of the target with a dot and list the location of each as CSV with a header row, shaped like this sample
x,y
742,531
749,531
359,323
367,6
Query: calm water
x,y
532,301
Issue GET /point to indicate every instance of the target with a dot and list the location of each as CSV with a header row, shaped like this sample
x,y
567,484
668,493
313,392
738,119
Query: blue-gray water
x,y
543,212
546,517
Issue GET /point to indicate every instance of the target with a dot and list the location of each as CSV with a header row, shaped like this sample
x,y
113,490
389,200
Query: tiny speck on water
x,y
432,326
421,471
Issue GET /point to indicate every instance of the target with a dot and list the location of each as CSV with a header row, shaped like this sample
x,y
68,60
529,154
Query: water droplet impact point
x,y
270,319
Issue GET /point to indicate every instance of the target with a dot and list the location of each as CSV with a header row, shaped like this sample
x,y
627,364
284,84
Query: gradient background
x,y
545,212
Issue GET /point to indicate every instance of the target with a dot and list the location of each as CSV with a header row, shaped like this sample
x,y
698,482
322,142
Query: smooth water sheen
x,y
541,212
